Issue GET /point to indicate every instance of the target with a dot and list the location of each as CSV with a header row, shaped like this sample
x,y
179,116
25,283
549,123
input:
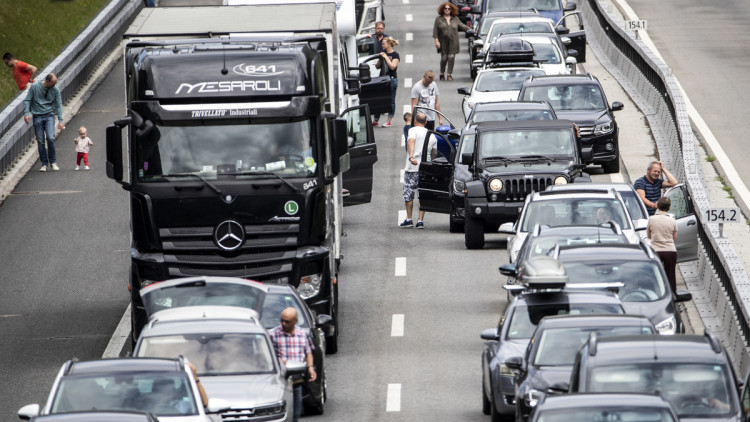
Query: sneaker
x,y
374,122
54,167
44,168
387,124
86,167
407,223
78,168
420,225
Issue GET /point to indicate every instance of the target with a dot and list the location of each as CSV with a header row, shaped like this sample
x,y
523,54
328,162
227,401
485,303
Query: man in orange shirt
x,y
22,72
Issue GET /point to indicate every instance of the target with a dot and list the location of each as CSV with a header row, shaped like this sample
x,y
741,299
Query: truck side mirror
x,y
339,147
364,73
114,153
352,86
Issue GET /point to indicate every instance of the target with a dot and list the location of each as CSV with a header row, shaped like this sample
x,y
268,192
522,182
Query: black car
x,y
485,112
509,160
693,372
581,98
543,295
266,299
552,351
644,291
604,407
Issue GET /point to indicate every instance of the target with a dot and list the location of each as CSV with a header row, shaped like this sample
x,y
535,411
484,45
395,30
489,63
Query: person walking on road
x,y
23,72
649,186
662,230
292,344
391,58
43,101
445,32
83,143
414,148
425,93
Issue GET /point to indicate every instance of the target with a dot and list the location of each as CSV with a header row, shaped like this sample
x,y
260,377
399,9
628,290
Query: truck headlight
x,y
667,327
561,180
533,397
604,128
459,186
496,185
309,285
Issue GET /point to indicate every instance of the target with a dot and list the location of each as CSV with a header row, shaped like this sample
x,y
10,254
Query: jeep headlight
x,y
604,128
667,327
459,186
533,397
496,185
309,285
561,180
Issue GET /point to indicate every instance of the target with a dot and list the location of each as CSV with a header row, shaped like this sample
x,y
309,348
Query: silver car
x,y
233,355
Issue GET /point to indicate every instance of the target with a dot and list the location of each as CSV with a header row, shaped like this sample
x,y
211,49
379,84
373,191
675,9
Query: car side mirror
x,y
467,158
217,405
559,387
572,53
506,228
587,154
515,363
616,106
324,319
562,30
463,91
683,295
469,33
490,334
508,270
29,411
641,224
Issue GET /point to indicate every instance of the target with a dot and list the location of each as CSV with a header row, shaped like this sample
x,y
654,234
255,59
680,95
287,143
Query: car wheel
x,y
485,402
473,233
612,166
455,227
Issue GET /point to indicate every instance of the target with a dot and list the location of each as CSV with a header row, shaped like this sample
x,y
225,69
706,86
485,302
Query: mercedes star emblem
x,y
229,235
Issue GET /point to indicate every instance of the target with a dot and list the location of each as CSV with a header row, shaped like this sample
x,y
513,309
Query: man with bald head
x,y
292,344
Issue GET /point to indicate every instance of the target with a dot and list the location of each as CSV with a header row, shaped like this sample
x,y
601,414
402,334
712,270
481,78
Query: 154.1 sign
x,y
637,25
722,215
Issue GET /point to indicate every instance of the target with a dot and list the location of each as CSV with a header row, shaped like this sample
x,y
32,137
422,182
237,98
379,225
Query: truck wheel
x,y
455,227
612,166
473,233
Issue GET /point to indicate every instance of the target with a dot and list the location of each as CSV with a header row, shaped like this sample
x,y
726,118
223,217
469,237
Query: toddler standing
x,y
82,148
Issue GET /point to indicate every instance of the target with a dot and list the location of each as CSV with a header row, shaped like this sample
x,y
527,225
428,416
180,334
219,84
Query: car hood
x,y
245,391
547,376
481,96
191,418
538,167
510,348
581,118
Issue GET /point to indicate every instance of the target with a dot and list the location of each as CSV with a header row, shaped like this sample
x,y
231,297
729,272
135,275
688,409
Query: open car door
x,y
577,36
436,168
377,92
363,153
687,222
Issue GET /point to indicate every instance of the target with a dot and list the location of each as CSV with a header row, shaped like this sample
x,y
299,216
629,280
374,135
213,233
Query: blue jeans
x,y
45,125
297,402
394,88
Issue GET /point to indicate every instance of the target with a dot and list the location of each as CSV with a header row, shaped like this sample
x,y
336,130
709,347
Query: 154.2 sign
x,y
722,215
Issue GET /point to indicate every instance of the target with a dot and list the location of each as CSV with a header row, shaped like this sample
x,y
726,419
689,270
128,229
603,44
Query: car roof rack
x,y
543,273
712,340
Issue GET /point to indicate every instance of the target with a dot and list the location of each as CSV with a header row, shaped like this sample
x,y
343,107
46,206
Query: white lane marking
x,y
409,36
409,58
120,336
393,399
406,1
400,266
616,177
397,325
408,82
407,108
401,180
401,216
409,17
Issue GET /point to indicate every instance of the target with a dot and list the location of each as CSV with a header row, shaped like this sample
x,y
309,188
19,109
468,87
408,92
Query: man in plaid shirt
x,y
292,344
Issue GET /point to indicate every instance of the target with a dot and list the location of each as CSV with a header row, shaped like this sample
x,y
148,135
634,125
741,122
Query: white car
x,y
496,84
570,207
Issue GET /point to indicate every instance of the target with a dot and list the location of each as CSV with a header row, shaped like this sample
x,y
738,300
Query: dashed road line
x,y
397,325
120,336
401,216
401,266
401,179
409,58
393,398
409,36
408,82
409,17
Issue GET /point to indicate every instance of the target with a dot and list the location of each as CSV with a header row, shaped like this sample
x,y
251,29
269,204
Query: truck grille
x,y
517,189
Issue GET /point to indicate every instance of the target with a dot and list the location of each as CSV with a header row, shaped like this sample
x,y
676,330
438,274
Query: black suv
x,y
693,372
580,98
510,160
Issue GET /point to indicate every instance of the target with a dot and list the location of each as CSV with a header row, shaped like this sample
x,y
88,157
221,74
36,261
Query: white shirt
x,y
82,144
419,133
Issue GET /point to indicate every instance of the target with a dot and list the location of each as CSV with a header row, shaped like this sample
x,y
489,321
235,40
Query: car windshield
x,y
203,294
694,389
493,5
642,279
503,27
214,353
633,204
607,414
163,394
504,80
558,346
544,245
486,24
587,97
511,143
173,152
275,303
503,115
524,320
547,53
573,211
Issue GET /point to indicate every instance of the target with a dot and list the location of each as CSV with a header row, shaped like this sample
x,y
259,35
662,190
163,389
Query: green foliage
x,y
710,158
36,31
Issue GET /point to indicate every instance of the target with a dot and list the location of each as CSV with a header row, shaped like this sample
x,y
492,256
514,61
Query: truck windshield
x,y
243,151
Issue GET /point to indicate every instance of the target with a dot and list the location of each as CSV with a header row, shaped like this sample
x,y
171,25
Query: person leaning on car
x,y
649,186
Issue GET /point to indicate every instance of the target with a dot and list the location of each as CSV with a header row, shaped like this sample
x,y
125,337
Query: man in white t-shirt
x,y
425,93
414,147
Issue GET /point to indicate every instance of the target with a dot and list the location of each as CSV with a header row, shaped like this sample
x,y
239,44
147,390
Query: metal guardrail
x,y
73,67
722,280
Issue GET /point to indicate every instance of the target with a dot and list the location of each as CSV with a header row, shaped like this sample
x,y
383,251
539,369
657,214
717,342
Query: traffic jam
x,y
592,329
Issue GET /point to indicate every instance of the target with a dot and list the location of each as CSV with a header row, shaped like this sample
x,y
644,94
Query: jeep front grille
x,y
517,189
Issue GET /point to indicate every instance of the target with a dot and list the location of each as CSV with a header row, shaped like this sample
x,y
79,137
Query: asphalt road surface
x,y
413,302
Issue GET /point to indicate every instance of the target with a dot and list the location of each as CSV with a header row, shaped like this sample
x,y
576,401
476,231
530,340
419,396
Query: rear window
x,y
524,320
619,414
574,212
559,346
